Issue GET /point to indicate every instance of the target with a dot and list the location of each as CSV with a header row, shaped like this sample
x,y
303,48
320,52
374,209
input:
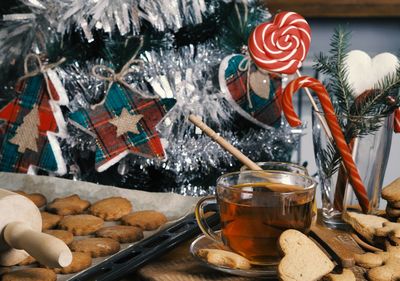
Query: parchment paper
x,y
174,206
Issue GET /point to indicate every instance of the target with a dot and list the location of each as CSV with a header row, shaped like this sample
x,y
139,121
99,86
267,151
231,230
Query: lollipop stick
x,y
224,143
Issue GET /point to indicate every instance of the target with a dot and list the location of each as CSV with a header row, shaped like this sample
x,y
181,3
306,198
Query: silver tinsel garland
x,y
187,74
125,16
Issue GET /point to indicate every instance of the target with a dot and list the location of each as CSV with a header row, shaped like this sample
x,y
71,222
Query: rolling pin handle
x,y
46,249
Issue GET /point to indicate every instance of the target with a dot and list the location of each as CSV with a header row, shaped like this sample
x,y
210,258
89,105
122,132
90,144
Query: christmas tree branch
x,y
334,66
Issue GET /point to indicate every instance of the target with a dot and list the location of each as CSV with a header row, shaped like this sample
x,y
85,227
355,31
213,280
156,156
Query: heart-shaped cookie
x,y
303,260
364,72
262,104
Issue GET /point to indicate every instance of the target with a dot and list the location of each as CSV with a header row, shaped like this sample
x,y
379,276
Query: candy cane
x,y
397,121
337,134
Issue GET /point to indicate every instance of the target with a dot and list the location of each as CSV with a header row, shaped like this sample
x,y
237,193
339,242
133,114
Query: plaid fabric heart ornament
x,y
125,122
33,123
255,94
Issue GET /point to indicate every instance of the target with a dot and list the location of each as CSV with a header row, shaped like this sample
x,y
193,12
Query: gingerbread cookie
x,y
146,220
80,261
224,258
96,247
387,272
81,224
49,220
384,265
63,235
365,225
369,260
69,205
391,192
389,229
392,212
30,274
111,209
395,240
346,275
394,204
28,261
38,199
303,259
121,233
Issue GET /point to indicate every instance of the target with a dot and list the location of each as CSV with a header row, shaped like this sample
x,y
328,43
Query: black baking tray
x,y
135,256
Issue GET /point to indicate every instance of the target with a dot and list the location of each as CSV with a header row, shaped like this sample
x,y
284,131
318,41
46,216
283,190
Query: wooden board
x,y
338,8
340,245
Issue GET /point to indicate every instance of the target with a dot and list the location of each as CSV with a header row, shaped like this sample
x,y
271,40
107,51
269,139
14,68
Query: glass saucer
x,y
203,242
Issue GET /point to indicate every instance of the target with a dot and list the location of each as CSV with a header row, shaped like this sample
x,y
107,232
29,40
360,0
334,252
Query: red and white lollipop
x,y
282,45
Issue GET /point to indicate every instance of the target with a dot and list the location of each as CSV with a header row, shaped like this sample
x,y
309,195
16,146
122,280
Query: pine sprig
x,y
334,66
361,116
330,160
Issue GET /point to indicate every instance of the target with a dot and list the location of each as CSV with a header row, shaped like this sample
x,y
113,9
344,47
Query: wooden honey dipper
x,y
21,234
241,157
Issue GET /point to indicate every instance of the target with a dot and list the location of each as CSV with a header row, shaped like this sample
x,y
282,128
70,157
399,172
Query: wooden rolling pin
x,y
21,234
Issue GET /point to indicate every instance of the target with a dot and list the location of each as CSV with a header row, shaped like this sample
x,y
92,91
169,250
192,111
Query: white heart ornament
x,y
364,72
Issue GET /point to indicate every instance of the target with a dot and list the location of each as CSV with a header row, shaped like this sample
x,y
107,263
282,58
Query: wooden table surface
x,y
178,265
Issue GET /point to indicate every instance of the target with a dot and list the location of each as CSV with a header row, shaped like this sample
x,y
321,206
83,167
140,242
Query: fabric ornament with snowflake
x,y
33,122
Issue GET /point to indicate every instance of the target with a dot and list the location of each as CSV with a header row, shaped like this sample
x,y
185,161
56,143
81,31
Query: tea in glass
x,y
257,206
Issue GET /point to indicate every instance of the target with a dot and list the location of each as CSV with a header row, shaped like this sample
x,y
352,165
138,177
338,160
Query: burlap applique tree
x,y
33,122
27,134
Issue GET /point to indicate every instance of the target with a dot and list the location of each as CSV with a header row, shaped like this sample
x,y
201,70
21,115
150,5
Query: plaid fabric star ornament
x,y
33,122
123,123
255,95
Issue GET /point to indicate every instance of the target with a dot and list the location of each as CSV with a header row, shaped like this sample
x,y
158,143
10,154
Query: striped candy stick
x,y
337,134
397,121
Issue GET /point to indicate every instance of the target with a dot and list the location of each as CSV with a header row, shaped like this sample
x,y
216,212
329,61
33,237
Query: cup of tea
x,y
279,166
255,207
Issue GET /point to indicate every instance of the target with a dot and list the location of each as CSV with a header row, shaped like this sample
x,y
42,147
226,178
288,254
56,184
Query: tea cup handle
x,y
201,215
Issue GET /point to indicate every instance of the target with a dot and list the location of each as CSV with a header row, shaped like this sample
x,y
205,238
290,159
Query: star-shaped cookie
x,y
124,123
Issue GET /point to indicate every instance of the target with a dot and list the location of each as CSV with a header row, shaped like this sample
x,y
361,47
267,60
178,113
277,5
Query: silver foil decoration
x,y
193,160
188,75
124,16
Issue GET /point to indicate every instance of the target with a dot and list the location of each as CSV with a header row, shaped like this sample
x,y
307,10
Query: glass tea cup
x,y
280,166
255,207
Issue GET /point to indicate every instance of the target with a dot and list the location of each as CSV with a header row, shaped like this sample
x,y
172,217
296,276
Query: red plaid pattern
x,y
110,148
32,92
